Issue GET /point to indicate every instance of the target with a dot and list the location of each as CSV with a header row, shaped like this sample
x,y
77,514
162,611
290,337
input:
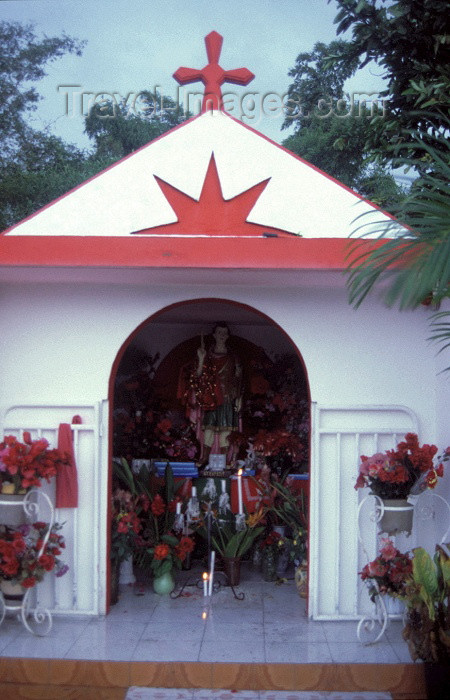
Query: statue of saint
x,y
217,388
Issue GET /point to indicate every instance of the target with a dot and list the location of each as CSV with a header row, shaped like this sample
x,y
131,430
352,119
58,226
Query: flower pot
x,y
126,572
232,569
282,561
13,593
301,580
397,516
163,585
14,514
257,557
279,529
269,565
394,606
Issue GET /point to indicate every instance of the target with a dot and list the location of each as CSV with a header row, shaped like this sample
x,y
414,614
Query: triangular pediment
x,y
127,197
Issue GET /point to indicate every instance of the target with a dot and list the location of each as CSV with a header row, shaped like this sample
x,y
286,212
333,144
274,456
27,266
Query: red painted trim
x,y
111,386
291,253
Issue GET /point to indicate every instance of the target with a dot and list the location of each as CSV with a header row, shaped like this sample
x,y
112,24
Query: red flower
x,y
122,525
186,544
161,551
29,582
164,425
158,506
47,562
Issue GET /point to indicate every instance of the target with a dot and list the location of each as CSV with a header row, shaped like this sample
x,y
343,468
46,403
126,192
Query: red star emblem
x,y
212,215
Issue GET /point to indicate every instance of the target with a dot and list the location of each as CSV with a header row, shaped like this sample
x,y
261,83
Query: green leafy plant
x,y
230,542
427,629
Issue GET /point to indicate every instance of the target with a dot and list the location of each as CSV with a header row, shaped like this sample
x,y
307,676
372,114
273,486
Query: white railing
x,y
340,435
80,591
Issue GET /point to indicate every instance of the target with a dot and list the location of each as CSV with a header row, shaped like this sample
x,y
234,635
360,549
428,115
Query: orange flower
x,y
161,551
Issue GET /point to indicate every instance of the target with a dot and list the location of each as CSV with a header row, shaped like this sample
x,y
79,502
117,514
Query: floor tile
x,y
356,653
295,631
166,649
32,647
298,652
402,652
192,630
340,631
241,649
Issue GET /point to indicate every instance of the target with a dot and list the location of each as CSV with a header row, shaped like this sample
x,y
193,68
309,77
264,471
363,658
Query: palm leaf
x,y
410,264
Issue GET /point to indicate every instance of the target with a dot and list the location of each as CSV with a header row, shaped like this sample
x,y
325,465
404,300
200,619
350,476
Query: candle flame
x,y
240,472
205,576
204,615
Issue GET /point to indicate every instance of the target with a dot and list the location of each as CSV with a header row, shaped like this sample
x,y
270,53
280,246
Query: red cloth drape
x,y
66,479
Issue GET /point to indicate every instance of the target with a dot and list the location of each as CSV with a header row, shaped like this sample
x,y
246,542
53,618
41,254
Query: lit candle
x,y
211,573
205,583
239,474
204,615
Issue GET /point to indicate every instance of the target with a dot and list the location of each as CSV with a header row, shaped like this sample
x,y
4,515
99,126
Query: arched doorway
x,y
148,421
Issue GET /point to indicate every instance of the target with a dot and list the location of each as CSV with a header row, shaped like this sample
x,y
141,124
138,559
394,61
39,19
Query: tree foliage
x,y
37,167
331,130
409,41
118,130
23,61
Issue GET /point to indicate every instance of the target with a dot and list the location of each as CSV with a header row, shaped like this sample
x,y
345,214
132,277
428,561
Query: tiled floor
x,y
269,626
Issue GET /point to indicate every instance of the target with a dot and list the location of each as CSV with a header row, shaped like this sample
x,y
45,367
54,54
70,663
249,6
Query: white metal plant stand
x,y
425,505
38,621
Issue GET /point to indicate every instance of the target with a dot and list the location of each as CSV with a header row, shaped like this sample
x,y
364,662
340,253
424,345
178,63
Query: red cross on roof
x,y
212,75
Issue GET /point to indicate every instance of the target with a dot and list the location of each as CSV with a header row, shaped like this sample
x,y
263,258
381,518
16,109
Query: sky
x,y
135,45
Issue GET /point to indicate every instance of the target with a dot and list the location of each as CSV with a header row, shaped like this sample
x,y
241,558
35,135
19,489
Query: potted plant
x,y
160,549
23,465
232,543
27,553
388,573
422,583
168,554
284,506
427,596
393,475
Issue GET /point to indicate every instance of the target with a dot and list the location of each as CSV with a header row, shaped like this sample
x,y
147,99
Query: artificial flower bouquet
x,y
23,465
389,572
395,473
169,553
25,556
126,525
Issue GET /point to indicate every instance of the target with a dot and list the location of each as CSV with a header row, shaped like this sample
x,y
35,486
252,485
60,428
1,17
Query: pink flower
x,y
388,551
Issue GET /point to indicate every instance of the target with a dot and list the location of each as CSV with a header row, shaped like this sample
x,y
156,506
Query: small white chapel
x,y
211,222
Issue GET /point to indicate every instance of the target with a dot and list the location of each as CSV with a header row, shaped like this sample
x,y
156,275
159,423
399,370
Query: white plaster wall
x,y
59,342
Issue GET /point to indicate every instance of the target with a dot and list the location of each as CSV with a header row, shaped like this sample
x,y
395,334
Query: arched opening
x,y
149,420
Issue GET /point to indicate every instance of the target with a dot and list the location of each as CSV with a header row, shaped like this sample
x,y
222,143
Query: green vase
x,y
163,585
269,565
